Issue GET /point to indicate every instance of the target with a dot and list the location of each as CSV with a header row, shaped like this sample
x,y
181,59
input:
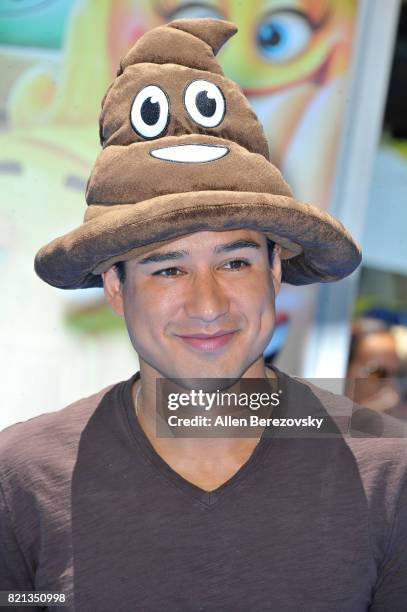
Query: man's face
x,y
203,283
372,372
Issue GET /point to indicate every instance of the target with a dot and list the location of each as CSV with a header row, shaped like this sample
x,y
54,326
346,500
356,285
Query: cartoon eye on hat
x,y
205,103
150,112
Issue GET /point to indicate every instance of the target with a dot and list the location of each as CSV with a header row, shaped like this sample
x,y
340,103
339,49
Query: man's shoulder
x,y
47,433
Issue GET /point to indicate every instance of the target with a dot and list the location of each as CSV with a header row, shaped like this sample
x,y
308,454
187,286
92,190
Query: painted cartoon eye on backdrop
x,y
281,35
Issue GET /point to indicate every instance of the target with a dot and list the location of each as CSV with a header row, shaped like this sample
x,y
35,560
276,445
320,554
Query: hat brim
x,y
318,247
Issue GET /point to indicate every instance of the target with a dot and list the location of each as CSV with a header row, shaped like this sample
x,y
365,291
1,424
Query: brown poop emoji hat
x,y
183,152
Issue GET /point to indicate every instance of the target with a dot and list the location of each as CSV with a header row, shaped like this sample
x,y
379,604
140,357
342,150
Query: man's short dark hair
x,y
121,268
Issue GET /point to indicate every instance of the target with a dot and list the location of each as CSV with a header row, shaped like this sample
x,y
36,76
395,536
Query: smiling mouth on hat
x,y
190,153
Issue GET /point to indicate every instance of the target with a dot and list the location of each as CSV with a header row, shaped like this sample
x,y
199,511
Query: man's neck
x,y
204,461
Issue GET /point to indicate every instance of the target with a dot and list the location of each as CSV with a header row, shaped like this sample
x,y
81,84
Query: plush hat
x,y
183,152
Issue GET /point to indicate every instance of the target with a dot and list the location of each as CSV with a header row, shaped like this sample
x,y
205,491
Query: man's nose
x,y
206,298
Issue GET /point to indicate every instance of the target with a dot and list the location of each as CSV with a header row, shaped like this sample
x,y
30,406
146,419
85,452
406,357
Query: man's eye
x,y
238,262
161,272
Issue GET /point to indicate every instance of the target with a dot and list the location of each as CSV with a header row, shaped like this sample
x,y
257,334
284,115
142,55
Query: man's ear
x,y
276,271
113,290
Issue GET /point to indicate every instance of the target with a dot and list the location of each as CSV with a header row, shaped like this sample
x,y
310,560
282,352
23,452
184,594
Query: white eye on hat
x,y
205,103
150,112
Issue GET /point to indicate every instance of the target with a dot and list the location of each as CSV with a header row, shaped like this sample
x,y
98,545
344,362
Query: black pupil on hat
x,y
150,111
205,105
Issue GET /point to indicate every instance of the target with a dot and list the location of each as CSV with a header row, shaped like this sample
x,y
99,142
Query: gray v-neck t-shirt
x,y
88,508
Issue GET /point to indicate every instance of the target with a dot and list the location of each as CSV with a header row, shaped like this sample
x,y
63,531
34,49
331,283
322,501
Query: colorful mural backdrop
x,y
57,57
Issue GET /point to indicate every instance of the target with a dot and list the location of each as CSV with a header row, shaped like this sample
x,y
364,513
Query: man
x,y
205,293
375,369
96,505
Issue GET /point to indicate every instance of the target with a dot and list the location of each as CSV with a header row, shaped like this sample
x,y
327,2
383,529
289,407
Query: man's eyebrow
x,y
222,248
237,244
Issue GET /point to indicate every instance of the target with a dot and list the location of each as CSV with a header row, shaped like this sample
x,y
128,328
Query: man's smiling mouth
x,y
209,344
190,153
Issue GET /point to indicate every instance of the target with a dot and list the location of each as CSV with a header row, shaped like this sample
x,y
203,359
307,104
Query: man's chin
x,y
207,378
207,385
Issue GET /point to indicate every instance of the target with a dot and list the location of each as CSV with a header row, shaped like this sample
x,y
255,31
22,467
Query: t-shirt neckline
x,y
207,498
